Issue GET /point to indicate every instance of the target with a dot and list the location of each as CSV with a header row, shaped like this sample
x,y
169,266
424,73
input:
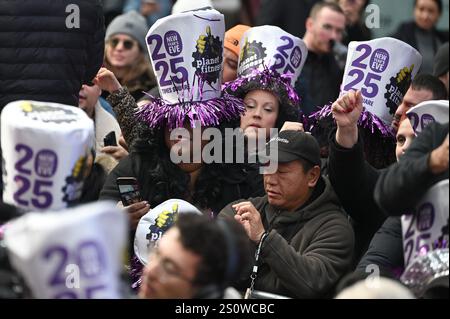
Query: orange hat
x,y
233,36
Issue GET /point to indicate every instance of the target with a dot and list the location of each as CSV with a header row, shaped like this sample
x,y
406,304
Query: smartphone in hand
x,y
129,190
110,139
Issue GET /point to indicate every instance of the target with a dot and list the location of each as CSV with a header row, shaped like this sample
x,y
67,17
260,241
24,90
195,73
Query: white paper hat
x,y
428,112
423,230
76,253
271,47
154,224
186,51
187,5
269,58
45,150
383,70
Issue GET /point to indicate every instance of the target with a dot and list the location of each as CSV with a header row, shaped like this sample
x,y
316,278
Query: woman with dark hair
x,y
149,132
422,33
265,80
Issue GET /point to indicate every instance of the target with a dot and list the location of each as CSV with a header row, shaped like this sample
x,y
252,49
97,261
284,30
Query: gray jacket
x,y
306,252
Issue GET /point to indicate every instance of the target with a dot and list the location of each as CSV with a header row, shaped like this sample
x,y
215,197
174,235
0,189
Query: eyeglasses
x,y
127,44
166,268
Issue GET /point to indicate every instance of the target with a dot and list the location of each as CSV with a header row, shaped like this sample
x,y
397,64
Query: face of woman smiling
x,y
261,111
122,50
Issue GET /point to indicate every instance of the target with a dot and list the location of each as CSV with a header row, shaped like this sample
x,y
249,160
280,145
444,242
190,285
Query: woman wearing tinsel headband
x,y
188,65
270,63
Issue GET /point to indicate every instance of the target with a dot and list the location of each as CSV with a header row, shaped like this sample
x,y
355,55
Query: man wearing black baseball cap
x,y
306,242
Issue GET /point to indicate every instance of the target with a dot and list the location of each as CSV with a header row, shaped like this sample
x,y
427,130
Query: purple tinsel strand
x,y
265,77
136,269
367,120
210,113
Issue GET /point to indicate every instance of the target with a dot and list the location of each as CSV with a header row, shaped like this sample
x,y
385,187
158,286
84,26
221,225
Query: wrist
x,y
261,237
115,89
433,163
347,136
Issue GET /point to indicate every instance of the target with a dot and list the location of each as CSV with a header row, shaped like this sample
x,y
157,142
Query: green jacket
x,y
307,251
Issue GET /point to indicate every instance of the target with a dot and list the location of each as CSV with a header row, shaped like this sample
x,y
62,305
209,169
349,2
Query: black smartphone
x,y
110,139
129,190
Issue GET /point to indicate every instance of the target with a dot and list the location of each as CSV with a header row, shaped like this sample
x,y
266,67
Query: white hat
x,y
76,253
188,5
46,148
424,230
428,112
270,59
383,70
376,288
188,65
273,48
154,224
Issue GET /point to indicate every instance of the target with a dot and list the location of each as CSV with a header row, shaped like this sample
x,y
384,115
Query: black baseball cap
x,y
291,146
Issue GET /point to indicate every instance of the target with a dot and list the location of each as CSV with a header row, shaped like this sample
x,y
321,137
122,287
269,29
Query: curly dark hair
x,y
167,179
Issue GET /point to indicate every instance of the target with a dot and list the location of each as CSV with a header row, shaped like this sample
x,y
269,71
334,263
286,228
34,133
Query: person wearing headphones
x,y
197,258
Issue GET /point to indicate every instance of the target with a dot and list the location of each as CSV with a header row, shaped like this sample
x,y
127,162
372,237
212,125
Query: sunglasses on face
x,y
127,44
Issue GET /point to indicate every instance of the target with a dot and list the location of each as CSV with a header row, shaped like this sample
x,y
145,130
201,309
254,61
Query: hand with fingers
x,y
249,217
135,212
123,143
292,126
438,162
118,152
107,81
346,111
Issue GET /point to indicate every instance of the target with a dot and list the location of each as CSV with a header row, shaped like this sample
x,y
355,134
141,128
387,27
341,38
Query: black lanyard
x,y
254,274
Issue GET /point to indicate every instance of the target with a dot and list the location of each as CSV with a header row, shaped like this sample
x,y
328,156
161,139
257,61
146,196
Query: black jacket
x,y
289,15
237,183
406,32
386,250
400,187
319,83
40,57
354,180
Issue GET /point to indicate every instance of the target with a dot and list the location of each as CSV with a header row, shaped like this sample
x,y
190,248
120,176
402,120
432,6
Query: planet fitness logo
x,y
208,57
397,87
74,182
48,114
163,222
252,56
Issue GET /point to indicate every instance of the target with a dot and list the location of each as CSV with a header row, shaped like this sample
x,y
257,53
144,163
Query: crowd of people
x,y
116,119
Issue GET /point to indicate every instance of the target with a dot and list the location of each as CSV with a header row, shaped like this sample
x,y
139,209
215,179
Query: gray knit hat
x,y
132,24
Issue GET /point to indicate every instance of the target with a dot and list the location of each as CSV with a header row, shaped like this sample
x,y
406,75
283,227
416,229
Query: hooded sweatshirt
x,y
306,251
